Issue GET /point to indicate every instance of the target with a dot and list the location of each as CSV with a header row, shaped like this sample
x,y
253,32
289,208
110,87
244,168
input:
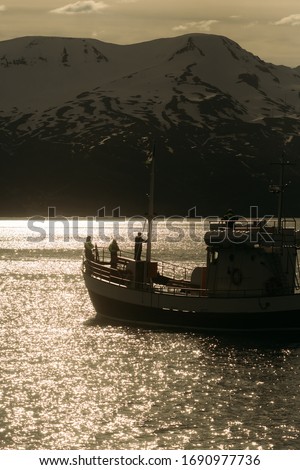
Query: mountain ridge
x,y
68,103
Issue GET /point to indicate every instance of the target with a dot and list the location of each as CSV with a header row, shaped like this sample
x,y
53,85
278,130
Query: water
x,y
69,384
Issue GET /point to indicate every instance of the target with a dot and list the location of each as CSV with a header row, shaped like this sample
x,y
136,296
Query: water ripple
x,y
67,385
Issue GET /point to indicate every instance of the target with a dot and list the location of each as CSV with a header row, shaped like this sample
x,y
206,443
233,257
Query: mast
x,y
150,205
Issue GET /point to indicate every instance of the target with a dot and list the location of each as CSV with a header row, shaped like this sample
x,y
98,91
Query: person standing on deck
x,y
88,248
138,241
113,248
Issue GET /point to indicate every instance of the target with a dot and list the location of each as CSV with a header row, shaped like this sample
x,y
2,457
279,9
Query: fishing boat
x,y
249,283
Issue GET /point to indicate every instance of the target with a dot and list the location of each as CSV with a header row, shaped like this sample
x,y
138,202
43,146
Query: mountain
x,y
80,116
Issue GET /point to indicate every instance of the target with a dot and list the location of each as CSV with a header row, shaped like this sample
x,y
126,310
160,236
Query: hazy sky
x,y
267,28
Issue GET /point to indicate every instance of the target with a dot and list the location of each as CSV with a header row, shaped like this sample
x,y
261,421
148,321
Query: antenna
x,y
280,188
150,203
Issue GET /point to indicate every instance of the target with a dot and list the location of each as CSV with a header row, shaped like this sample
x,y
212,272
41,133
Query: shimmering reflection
x,y
69,385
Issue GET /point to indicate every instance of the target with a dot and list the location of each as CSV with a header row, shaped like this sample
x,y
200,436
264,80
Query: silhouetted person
x,y
138,241
113,248
88,248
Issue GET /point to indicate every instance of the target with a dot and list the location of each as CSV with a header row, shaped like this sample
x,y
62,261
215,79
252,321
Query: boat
x,y
248,285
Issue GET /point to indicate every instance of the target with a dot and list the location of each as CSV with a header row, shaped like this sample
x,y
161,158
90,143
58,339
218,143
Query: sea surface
x,y
67,383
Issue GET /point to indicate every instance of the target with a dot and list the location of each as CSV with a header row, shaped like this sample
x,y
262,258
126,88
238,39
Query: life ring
x,y
236,277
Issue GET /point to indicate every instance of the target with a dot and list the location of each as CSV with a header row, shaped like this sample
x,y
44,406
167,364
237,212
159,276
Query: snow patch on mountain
x,y
65,88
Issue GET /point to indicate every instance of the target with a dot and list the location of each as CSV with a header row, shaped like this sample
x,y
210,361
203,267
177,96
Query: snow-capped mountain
x,y
84,113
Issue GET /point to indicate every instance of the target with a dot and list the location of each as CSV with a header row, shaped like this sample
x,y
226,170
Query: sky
x,y
269,29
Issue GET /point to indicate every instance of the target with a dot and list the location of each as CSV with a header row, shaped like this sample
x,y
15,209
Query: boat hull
x,y
118,304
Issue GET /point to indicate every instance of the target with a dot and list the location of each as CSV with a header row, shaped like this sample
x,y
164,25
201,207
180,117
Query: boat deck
x,y
160,277
167,282
119,276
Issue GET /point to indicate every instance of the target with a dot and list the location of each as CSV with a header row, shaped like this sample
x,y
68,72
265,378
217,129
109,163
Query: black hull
x,y
114,311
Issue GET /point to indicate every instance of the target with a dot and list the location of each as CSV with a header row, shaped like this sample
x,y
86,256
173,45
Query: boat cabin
x,y
251,260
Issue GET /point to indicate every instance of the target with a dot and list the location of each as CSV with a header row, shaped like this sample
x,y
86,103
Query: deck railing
x,y
178,287
268,225
165,268
120,276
